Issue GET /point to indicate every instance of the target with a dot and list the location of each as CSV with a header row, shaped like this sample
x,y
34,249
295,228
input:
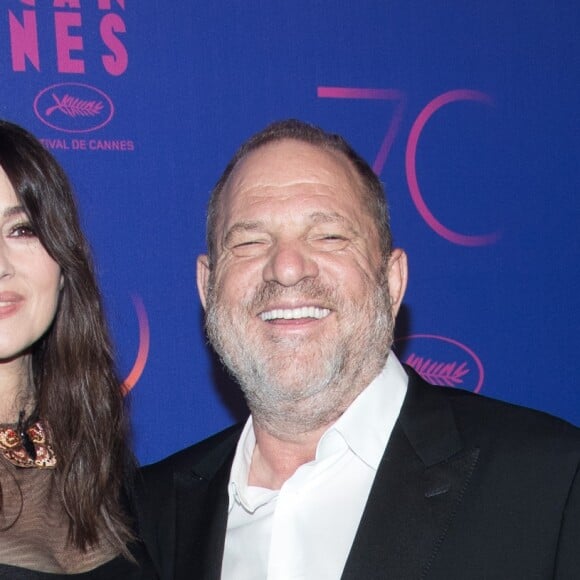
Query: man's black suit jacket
x,y
468,488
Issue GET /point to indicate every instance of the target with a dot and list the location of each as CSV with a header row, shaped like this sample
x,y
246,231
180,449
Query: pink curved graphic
x,y
458,344
144,342
410,165
378,95
74,106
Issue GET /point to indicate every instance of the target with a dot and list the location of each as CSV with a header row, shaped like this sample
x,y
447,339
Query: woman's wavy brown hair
x,y
77,392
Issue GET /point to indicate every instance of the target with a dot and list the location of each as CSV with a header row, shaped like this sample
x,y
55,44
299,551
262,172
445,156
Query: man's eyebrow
x,y
245,226
319,217
12,211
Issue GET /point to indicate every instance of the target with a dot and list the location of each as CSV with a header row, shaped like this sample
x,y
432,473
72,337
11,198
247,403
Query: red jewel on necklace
x,y
16,446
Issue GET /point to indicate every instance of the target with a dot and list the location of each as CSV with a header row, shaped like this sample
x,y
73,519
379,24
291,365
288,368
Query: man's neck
x,y
275,459
285,440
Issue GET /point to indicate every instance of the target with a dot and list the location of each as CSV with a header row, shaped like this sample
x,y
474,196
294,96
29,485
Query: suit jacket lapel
x,y
419,484
201,515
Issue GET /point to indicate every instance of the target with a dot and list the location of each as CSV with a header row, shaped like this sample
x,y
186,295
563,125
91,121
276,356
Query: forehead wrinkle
x,y
266,187
251,175
263,175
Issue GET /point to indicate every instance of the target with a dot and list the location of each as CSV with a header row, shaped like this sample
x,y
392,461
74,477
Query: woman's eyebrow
x,y
12,211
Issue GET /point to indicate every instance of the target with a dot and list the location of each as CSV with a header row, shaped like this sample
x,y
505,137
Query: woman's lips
x,y
10,302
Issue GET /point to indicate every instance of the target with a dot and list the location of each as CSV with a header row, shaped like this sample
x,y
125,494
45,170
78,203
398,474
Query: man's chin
x,y
294,381
297,348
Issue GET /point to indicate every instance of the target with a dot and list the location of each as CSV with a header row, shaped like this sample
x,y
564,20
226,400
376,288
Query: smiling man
x,y
349,466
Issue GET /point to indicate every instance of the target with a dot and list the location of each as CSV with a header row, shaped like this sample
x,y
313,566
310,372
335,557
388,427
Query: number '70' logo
x,y
412,142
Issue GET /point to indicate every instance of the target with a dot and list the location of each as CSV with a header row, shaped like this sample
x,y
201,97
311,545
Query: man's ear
x,y
397,276
202,278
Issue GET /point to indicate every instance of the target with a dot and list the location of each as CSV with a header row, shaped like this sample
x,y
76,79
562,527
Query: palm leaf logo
x,y
74,107
448,374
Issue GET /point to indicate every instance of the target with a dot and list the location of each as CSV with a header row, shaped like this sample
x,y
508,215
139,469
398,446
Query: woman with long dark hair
x,y
64,459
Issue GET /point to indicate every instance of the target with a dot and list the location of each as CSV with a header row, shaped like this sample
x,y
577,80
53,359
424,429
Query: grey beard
x,y
292,386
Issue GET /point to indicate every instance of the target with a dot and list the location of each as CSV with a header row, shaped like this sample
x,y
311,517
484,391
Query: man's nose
x,y
289,263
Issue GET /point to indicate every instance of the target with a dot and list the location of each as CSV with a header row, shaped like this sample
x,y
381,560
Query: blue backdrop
x,y
468,111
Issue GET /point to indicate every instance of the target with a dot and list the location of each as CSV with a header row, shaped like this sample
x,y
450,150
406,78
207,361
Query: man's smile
x,y
295,313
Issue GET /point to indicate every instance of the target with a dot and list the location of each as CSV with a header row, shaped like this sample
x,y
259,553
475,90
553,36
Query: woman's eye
x,y
22,231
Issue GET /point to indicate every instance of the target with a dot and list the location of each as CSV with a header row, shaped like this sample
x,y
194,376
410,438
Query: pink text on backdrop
x,y
411,168
375,94
101,4
412,144
68,32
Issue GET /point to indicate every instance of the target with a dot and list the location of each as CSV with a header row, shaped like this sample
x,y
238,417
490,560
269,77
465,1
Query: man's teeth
x,y
292,313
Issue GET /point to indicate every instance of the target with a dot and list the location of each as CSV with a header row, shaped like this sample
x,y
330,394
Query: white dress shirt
x,y
305,530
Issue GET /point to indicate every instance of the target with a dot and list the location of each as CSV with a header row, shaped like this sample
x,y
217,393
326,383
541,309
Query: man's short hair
x,y
293,129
